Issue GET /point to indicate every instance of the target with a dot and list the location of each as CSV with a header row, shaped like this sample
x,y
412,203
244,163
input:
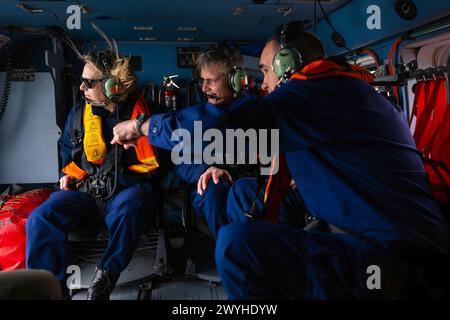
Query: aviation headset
x,y
287,60
111,86
238,79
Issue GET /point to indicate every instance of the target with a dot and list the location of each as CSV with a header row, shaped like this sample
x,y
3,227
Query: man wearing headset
x,y
222,78
220,71
373,219
222,81
355,164
97,179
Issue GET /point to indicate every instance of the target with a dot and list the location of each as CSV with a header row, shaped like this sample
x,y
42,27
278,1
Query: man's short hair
x,y
306,43
216,54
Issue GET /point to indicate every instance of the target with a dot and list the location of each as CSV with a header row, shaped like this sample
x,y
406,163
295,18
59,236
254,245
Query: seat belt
x,y
76,135
277,188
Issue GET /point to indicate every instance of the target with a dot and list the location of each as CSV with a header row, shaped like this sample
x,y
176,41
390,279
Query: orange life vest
x,y
95,146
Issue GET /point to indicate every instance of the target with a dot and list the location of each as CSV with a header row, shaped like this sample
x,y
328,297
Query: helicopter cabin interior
x,y
405,44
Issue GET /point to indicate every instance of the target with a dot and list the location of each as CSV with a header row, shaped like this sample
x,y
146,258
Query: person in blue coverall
x,y
362,179
213,182
122,189
355,164
217,66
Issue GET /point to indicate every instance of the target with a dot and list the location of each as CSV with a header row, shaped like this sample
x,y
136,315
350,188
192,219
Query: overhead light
x,y
237,10
147,39
29,9
143,28
193,29
185,39
285,11
84,8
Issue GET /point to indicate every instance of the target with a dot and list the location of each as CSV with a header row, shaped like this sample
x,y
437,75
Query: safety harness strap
x,y
77,135
277,187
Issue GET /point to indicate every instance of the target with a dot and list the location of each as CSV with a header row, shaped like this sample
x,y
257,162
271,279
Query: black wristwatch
x,y
140,119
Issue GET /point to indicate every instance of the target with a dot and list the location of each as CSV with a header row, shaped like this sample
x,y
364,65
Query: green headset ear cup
x,y
285,58
237,78
112,88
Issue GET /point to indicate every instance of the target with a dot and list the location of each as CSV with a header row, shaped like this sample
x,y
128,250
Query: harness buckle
x,y
76,138
98,185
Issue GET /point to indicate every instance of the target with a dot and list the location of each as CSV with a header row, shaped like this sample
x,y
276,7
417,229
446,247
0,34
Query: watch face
x,y
140,117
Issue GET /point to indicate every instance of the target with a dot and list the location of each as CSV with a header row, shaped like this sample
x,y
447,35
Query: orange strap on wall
x,y
440,100
432,134
419,101
440,149
432,114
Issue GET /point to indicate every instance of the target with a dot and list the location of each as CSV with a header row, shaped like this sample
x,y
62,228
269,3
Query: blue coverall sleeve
x,y
161,127
284,109
65,143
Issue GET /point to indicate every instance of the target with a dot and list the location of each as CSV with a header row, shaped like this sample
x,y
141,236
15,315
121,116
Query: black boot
x,y
102,285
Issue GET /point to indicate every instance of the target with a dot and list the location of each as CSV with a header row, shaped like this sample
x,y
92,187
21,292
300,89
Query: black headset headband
x,y
223,49
288,31
229,54
283,33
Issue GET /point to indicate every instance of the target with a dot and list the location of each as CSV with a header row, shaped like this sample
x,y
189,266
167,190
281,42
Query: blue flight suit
x,y
128,211
212,204
355,164
356,167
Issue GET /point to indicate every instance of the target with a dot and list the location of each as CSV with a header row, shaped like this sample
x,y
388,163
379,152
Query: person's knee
x,y
216,190
242,191
215,195
243,186
38,215
53,207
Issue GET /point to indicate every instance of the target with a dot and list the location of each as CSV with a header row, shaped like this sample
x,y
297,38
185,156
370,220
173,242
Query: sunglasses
x,y
90,82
